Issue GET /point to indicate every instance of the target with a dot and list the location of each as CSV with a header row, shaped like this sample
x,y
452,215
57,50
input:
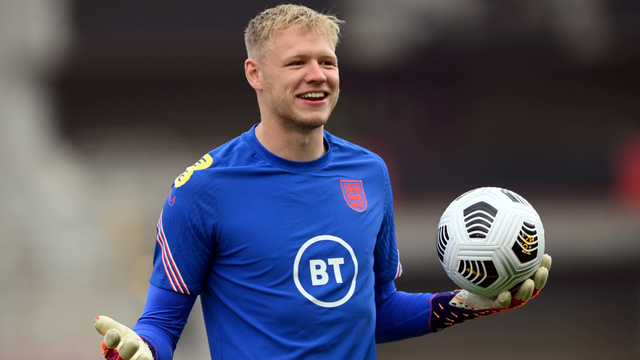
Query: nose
x,y
315,73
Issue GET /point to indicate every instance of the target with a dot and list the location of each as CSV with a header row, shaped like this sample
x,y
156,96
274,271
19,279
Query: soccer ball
x,y
489,240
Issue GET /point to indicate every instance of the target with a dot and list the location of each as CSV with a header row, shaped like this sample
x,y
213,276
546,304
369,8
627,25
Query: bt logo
x,y
329,281
319,274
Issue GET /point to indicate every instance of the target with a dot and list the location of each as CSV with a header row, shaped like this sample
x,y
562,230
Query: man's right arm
x,y
164,316
182,257
157,332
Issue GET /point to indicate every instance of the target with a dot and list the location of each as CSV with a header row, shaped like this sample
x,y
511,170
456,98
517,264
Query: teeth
x,y
316,95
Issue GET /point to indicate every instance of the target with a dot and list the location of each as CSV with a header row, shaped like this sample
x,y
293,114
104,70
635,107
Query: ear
x,y
252,72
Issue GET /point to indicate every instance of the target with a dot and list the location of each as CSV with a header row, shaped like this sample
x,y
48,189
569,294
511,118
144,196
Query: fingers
x,y
546,262
129,348
526,290
503,300
105,323
542,274
121,341
540,277
112,339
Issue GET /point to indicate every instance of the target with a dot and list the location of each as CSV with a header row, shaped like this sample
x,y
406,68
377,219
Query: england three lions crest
x,y
353,193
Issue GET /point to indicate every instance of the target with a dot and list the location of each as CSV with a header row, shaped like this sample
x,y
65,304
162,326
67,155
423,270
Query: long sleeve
x,y
164,316
401,315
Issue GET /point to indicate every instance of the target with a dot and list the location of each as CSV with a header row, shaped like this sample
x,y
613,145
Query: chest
x,y
271,214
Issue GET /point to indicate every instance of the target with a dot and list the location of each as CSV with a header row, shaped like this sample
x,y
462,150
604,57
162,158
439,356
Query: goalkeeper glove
x,y
458,306
120,342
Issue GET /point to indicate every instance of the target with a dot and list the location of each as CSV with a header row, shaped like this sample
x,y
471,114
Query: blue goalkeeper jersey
x,y
286,256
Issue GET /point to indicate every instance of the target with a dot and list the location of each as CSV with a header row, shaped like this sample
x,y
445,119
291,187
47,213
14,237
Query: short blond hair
x,y
268,23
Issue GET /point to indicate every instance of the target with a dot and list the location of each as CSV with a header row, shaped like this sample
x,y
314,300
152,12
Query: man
x,y
287,232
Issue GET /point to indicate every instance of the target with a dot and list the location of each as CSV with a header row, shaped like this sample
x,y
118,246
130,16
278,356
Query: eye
x,y
296,63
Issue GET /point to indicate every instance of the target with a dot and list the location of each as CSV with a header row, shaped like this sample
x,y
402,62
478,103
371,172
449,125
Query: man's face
x,y
300,79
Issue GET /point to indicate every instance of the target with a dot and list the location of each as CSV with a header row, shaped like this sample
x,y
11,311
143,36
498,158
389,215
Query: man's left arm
x,y
403,315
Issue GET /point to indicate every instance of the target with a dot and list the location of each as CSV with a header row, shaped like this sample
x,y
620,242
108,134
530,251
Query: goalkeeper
x,y
287,232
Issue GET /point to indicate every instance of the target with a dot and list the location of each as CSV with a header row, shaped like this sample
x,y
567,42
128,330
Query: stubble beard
x,y
285,112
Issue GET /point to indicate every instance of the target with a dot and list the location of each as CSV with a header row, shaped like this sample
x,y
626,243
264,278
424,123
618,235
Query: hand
x,y
120,342
458,306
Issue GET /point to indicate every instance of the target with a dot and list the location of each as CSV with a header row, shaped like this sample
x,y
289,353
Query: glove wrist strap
x,y
150,345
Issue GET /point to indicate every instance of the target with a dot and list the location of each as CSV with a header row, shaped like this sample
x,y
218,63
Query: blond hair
x,y
268,23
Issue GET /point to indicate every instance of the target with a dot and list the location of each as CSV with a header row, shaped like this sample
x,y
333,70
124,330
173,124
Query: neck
x,y
291,144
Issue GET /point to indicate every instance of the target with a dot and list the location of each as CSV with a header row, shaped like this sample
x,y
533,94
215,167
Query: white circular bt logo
x,y
321,270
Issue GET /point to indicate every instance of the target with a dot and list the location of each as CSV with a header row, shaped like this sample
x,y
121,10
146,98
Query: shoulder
x,y
233,153
347,151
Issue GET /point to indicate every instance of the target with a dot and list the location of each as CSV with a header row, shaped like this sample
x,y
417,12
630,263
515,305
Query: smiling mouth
x,y
313,96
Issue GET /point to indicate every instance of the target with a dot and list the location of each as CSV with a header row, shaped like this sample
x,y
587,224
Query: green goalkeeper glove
x,y
458,306
120,342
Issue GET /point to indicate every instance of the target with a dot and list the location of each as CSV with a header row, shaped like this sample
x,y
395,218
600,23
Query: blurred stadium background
x,y
103,104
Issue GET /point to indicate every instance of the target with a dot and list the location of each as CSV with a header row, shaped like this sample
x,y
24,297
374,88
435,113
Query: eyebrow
x,y
306,55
